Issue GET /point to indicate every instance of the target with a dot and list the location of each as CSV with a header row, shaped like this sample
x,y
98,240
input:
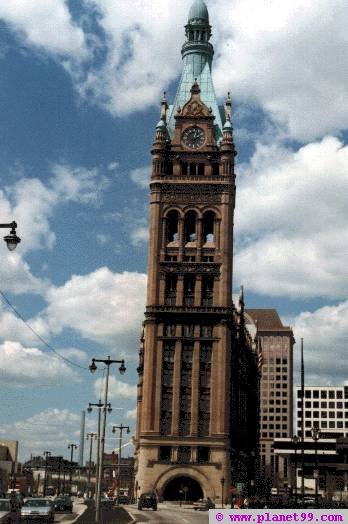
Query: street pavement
x,y
169,514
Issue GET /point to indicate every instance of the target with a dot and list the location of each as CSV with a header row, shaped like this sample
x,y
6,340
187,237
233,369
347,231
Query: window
x,y
308,394
190,226
339,405
331,394
208,259
188,330
340,424
215,169
331,414
315,404
189,258
206,331
171,258
323,405
315,414
170,290
189,290
331,424
308,414
324,414
323,394
172,221
331,405
208,227
339,414
339,394
203,453
165,453
324,424
316,394
169,330
207,291
200,169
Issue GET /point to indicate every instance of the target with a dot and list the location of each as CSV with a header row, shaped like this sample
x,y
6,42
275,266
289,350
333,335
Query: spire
x,y
161,128
197,55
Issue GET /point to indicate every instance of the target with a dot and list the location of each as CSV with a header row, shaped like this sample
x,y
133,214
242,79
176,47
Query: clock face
x,y
193,137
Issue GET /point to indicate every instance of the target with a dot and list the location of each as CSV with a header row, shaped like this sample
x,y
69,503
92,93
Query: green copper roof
x,y
197,53
198,11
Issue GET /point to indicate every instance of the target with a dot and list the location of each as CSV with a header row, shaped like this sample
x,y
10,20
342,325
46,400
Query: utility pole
x,y
121,428
93,368
71,447
91,436
46,454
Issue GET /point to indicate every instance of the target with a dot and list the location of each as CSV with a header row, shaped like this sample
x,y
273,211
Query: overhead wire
x,y
51,348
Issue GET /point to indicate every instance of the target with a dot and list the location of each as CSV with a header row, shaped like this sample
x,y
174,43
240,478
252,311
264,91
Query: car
x,y
9,513
63,503
38,509
147,500
203,505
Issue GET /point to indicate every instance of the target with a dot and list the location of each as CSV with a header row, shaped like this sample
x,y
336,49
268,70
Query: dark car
x,y
106,502
203,505
147,500
63,503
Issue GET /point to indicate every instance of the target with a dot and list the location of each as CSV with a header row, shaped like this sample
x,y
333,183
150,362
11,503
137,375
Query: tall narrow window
x,y
189,290
170,290
185,389
200,169
204,389
172,226
208,227
192,169
215,169
184,168
207,291
190,226
167,387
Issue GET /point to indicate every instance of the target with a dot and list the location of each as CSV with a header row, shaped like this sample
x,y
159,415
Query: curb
x,y
133,521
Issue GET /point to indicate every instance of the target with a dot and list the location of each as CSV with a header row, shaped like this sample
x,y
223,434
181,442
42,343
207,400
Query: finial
x,y
195,89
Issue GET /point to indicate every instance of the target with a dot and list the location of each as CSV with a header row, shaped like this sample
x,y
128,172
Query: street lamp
x,y
316,436
46,455
93,368
121,428
11,240
71,447
222,481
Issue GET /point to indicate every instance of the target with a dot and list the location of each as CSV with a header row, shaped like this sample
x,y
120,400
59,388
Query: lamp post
x,y
99,405
222,481
295,439
121,428
71,447
122,369
90,436
46,454
315,436
11,240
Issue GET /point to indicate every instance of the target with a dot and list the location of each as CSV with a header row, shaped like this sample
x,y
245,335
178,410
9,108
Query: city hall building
x,y
197,404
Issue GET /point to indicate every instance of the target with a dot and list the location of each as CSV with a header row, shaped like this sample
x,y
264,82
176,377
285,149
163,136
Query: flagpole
x,y
302,426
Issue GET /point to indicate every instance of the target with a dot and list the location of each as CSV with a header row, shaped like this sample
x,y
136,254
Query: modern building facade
x,y
197,390
275,343
325,407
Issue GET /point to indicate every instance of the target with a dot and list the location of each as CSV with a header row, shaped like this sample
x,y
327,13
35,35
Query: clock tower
x,y
186,391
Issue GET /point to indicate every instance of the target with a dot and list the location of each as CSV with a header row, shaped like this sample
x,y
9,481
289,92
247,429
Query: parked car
x,y
203,505
147,500
63,503
106,502
38,509
9,514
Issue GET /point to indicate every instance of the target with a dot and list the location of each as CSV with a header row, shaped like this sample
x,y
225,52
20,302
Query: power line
x,y
8,303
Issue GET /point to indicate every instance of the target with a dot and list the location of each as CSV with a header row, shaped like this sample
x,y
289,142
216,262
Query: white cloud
x,y
325,344
50,429
46,24
117,389
291,218
141,176
132,413
24,366
102,306
139,235
12,328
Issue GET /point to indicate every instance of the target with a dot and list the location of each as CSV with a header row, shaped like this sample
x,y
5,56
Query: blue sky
x,y
80,90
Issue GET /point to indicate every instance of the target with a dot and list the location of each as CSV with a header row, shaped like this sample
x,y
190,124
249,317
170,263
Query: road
x,y
169,514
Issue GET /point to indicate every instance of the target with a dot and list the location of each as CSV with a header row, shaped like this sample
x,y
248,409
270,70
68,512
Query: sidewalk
x,y
108,516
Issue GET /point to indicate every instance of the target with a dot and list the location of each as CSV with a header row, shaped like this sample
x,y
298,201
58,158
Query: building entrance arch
x,y
182,488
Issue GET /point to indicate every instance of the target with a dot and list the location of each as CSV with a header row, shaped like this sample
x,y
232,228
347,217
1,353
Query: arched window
x,y
190,226
172,226
208,226
192,169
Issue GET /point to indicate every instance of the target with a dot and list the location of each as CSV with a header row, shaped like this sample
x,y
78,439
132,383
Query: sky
x,y
80,89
